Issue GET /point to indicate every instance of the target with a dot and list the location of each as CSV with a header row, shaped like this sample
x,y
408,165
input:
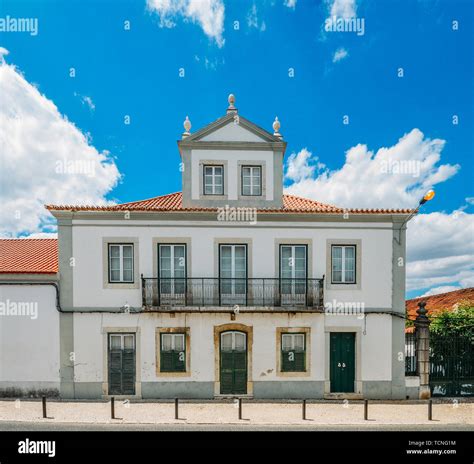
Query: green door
x,y
121,359
233,363
342,362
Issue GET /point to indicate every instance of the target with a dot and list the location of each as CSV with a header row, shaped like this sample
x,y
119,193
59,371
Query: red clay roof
x,y
438,303
173,202
29,256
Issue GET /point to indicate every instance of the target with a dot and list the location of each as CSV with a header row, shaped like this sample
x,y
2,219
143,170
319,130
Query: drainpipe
x,y
54,284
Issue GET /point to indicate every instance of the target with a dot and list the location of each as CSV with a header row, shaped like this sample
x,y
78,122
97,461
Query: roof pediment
x,y
231,128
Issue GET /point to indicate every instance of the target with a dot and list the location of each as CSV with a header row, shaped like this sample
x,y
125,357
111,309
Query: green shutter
x,y
227,372
293,360
167,363
115,372
179,365
240,372
128,372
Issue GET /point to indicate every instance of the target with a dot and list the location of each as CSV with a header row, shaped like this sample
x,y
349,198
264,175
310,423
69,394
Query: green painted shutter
x,y
240,372
167,361
115,372
179,365
227,372
128,372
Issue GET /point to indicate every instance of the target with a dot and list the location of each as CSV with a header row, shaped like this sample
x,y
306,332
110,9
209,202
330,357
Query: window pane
x,y
350,276
165,342
128,263
128,342
115,251
219,190
336,252
226,342
337,276
286,342
114,276
299,342
127,251
349,252
115,264
127,276
246,171
246,190
208,189
240,341
208,171
165,251
115,342
179,342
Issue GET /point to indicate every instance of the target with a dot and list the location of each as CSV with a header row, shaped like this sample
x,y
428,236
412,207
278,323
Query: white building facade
x,y
231,288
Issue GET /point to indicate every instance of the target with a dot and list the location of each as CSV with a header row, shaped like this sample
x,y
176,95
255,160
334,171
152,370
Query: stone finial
x,y
187,127
421,311
231,108
276,128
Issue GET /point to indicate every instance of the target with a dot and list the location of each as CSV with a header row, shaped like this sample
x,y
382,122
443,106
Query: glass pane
x,y
219,190
208,171
127,275
246,190
336,252
350,276
128,342
286,342
166,342
337,276
240,342
115,251
246,171
349,252
114,276
115,263
128,263
127,251
179,342
165,251
239,252
115,342
299,342
226,342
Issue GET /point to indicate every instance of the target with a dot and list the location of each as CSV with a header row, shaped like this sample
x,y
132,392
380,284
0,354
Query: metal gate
x,y
451,366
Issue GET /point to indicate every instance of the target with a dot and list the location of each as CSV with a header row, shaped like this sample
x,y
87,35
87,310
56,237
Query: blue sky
x,y
136,72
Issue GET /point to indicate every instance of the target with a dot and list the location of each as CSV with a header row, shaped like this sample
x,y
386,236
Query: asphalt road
x,y
18,426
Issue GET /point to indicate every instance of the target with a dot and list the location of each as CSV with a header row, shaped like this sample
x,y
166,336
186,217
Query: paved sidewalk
x,y
255,413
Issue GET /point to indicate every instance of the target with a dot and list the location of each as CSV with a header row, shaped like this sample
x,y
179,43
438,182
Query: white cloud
x,y
253,21
440,246
85,100
208,14
396,176
44,159
342,8
339,55
442,289
440,250
290,3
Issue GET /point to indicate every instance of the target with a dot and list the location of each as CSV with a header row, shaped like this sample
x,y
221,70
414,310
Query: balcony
x,y
221,292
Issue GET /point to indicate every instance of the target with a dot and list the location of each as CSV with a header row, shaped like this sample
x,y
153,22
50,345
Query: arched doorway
x,y
233,365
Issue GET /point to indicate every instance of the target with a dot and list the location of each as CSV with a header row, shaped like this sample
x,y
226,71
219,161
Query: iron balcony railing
x,y
209,291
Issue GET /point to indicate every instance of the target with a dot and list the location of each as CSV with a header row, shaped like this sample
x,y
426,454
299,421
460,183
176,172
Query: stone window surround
x,y
105,361
170,330
263,178
286,330
225,166
358,270
106,241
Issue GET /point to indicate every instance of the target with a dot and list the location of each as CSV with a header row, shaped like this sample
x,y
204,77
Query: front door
x,y
342,362
121,360
233,363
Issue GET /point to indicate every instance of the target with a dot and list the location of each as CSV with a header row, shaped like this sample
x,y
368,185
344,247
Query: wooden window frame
x,y
109,258
343,259
213,185
244,166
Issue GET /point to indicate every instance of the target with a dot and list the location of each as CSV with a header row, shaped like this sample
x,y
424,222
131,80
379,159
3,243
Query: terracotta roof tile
x,y
438,303
173,202
29,256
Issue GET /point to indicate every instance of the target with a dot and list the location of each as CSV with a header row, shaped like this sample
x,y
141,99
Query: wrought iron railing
x,y
209,291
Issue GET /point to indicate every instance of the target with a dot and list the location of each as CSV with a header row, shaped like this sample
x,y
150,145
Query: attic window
x,y
213,180
251,180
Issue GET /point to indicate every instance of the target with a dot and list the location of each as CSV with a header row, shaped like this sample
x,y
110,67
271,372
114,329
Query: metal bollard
x,y
44,407
112,407
430,410
240,408
304,409
366,409
176,408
